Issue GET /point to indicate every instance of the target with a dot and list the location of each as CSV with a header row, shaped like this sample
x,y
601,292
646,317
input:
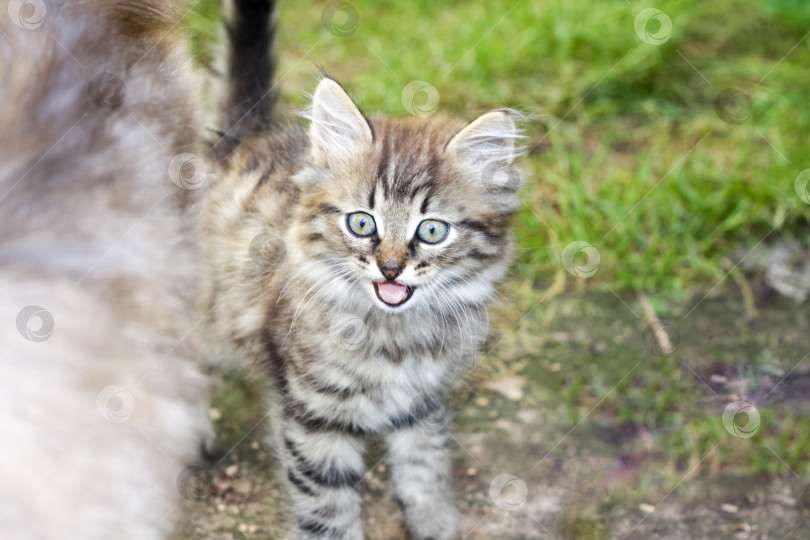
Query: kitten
x,y
354,261
102,403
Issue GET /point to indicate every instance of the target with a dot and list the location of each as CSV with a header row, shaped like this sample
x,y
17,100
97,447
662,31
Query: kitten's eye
x,y
432,231
361,224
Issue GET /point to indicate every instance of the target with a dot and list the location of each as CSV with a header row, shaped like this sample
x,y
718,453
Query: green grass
x,y
626,151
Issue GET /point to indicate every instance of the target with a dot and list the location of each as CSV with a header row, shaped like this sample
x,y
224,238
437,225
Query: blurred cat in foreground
x,y
102,401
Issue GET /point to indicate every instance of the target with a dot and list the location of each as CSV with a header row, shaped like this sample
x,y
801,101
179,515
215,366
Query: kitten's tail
x,y
248,108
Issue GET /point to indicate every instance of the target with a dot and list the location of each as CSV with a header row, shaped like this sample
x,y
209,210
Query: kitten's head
x,y
415,211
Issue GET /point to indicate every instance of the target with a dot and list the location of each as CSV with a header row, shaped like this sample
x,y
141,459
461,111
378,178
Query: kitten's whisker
x,y
330,270
333,272
463,278
469,328
478,306
437,307
304,267
317,284
457,318
353,278
303,303
345,272
290,282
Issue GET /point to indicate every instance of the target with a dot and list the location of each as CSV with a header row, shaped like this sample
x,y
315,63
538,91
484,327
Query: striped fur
x,y
347,366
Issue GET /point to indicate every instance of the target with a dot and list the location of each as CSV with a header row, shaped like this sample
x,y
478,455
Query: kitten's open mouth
x,y
392,293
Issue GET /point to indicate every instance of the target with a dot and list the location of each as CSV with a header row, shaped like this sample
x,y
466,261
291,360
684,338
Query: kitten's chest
x,y
370,377
382,364
387,392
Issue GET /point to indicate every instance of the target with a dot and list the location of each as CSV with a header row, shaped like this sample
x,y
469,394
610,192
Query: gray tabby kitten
x,y
353,260
102,401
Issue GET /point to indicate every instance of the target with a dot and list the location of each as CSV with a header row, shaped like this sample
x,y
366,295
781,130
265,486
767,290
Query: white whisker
x,y
332,273
306,266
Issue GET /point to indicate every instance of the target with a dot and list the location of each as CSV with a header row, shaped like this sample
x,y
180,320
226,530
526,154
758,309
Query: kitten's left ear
x,y
338,127
489,139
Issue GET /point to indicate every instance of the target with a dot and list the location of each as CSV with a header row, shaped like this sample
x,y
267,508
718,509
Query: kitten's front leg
x,y
324,470
421,473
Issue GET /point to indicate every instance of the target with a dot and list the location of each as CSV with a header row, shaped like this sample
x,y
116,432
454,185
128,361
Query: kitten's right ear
x,y
338,127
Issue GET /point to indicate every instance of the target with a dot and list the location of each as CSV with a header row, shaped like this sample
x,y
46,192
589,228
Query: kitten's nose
x,y
390,269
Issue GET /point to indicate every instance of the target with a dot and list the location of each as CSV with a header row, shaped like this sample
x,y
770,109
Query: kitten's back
x,y
102,403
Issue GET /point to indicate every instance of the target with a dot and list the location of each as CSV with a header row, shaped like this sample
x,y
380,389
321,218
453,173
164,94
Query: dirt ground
x,y
528,467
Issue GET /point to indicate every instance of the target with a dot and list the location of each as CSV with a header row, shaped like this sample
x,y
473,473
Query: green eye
x,y
361,224
432,231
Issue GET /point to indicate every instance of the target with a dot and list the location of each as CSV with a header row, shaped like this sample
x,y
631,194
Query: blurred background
x,y
646,374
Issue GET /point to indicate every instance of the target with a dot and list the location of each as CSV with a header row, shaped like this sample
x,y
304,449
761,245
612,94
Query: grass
x,y
626,151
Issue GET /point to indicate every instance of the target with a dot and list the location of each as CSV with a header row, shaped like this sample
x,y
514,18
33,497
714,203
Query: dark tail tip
x,y
250,99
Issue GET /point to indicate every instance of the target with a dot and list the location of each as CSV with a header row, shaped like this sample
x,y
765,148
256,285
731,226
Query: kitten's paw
x,y
437,521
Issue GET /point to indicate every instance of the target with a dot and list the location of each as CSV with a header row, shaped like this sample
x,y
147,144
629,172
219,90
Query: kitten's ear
x,y
489,139
338,127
